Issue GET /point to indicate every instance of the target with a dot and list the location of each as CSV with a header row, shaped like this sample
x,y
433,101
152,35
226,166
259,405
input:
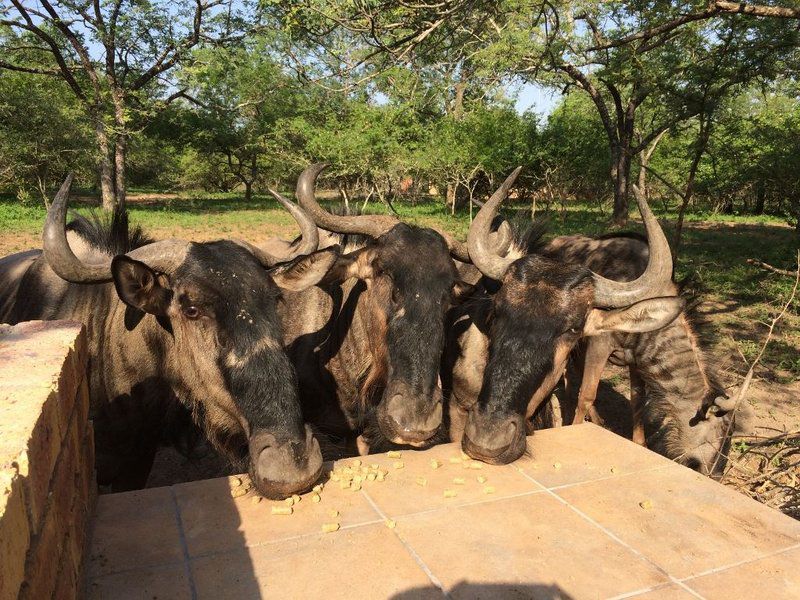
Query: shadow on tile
x,y
465,590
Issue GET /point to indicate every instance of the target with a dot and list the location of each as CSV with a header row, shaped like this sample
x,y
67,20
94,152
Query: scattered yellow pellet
x,y
393,454
256,499
557,466
613,470
422,481
364,470
398,464
435,464
455,459
235,482
355,463
371,476
238,492
481,479
357,479
315,498
459,480
374,466
330,527
296,498
289,501
646,504
380,476
450,494
356,486
474,464
333,513
344,485
282,510
335,477
317,488
488,489
391,524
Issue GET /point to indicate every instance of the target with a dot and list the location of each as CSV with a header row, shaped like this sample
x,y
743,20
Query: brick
x,y
14,534
40,576
30,441
42,366
66,587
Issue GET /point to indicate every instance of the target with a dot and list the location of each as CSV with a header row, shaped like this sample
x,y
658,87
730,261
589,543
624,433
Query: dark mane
x,y
528,235
109,233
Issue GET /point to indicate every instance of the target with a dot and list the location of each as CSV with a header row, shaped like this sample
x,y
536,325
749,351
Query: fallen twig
x,y
768,267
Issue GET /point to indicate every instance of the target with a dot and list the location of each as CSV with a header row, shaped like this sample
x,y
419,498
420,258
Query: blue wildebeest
x,y
367,341
512,340
174,321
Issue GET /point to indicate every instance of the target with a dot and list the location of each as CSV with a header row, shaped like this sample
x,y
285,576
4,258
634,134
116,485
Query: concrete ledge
x,y
47,489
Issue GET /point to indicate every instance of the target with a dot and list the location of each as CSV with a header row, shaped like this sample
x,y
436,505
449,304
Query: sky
x,y
539,99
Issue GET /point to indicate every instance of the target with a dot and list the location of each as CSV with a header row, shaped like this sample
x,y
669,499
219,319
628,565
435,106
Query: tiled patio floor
x,y
588,515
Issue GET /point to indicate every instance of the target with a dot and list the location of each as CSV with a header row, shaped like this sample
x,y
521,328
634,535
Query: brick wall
x,y
47,484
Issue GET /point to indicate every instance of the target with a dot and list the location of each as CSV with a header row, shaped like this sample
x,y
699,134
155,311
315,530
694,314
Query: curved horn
x,y
159,255
725,403
371,225
651,283
309,234
481,244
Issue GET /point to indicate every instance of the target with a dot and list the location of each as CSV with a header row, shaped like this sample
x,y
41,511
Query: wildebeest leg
x,y
458,420
598,349
637,404
572,382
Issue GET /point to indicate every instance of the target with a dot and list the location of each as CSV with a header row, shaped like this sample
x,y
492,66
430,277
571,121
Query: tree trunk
x,y
105,166
248,190
620,175
761,197
700,148
120,148
451,197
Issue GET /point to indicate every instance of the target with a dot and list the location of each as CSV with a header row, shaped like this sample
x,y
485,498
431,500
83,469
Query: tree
x,y
115,59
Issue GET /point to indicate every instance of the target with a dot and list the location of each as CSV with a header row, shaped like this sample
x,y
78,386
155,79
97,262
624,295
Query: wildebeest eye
x,y
191,312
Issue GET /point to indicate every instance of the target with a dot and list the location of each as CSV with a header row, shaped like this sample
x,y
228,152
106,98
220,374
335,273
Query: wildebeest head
x,y
541,310
412,281
211,330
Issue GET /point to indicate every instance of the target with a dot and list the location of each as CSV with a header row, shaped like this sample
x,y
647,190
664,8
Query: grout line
x,y
184,545
618,540
740,563
434,580
605,477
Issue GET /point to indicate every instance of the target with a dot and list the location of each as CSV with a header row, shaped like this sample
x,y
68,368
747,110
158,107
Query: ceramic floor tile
x,y
690,523
419,487
213,521
585,452
776,576
363,562
134,529
155,583
666,592
527,546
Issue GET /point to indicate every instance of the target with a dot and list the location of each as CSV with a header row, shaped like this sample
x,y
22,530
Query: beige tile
x,y
666,592
213,521
363,562
155,583
776,576
694,523
526,546
403,494
134,529
585,452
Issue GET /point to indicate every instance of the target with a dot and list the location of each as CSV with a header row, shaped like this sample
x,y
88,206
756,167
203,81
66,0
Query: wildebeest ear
x,y
462,290
647,315
138,286
304,271
358,264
